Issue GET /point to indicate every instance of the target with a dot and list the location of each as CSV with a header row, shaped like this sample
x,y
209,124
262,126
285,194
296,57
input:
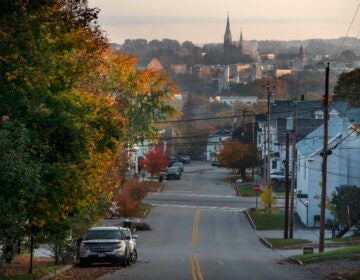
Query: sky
x,y
204,21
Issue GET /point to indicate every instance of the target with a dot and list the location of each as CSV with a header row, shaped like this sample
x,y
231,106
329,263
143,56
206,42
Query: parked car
x,y
179,164
131,238
183,159
216,163
173,172
277,176
104,244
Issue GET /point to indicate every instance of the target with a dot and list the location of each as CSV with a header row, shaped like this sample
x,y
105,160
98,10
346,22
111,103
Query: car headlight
x,y
118,245
84,245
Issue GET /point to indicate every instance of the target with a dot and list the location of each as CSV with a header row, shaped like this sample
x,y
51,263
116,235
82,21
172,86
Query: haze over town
x,y
203,21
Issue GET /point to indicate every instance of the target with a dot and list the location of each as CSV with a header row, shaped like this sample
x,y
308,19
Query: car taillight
x,y
118,245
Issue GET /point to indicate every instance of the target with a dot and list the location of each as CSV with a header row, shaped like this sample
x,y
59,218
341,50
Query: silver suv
x,y
104,244
131,238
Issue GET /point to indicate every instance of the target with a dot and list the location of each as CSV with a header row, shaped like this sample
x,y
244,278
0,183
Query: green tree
x,y
344,206
348,87
69,137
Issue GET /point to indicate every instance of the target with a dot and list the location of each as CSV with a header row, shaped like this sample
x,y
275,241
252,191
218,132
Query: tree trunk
x,y
31,253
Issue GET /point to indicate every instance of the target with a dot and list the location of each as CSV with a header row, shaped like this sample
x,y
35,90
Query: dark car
x,y
216,163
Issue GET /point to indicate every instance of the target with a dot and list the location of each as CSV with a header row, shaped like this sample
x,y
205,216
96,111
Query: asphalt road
x,y
199,231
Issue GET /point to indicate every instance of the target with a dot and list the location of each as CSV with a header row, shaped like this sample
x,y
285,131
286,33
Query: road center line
x,y
195,228
195,267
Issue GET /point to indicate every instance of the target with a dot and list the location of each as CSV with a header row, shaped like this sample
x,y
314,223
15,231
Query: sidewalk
x,y
310,234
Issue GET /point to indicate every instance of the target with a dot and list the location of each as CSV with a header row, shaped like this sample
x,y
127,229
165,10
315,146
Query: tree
x,y
238,156
129,198
155,161
68,107
344,206
347,87
267,199
68,138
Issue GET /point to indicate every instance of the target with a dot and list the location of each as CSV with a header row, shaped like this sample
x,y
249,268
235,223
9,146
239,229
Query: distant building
x,y
231,100
150,64
282,72
232,50
201,71
178,68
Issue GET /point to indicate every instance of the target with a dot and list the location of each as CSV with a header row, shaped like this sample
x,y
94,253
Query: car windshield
x,y
103,234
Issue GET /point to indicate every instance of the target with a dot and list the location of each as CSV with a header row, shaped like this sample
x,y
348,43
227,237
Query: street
x,y
199,231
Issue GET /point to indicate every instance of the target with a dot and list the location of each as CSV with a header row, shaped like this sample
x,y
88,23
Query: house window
x,y
319,115
274,164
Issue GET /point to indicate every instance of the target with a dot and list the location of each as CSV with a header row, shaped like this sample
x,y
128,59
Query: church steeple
x,y
301,54
241,41
227,35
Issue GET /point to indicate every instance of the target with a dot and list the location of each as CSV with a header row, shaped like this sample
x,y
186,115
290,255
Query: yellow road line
x,y
195,267
194,237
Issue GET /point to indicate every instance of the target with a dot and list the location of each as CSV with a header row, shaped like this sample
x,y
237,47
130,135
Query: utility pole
x,y
287,187
293,171
268,86
324,163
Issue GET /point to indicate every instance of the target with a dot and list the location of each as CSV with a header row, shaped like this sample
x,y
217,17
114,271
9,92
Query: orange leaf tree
x,y
238,156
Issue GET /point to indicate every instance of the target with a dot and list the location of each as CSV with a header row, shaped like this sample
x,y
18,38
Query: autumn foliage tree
x,y
155,161
129,198
68,107
238,156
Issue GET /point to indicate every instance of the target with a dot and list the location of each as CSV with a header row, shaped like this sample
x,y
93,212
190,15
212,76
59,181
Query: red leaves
x,y
129,198
155,161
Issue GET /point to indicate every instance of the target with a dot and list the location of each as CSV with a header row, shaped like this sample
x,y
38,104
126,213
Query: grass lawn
x,y
143,208
343,253
267,221
247,190
152,186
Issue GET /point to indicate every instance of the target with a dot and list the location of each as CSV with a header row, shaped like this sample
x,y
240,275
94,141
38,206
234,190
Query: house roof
x,y
304,127
305,109
354,114
314,141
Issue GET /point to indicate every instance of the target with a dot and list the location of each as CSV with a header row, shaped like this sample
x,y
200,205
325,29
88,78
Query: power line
x,y
348,30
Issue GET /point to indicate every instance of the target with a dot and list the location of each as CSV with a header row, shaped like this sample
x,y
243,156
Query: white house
x,y
231,100
216,142
342,166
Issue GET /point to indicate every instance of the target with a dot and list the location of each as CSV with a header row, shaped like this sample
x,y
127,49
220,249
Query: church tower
x,y
241,42
227,37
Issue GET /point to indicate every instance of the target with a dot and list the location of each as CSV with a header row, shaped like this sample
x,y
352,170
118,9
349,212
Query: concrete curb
x,y
266,243
250,220
299,262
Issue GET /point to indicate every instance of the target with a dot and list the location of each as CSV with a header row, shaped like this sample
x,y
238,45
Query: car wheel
x,y
129,260
125,261
134,256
